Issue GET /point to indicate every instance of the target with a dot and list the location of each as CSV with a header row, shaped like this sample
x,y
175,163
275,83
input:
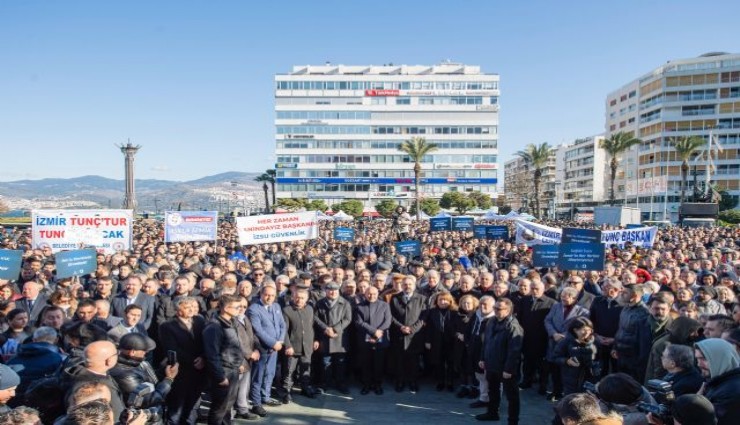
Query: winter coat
x,y
557,323
36,360
502,346
532,314
474,340
223,349
337,316
370,317
685,382
460,323
575,376
634,337
723,392
605,316
440,334
299,334
130,373
678,332
411,314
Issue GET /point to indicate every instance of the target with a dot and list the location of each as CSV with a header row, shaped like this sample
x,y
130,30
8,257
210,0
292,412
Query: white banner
x,y
261,229
647,186
538,234
107,231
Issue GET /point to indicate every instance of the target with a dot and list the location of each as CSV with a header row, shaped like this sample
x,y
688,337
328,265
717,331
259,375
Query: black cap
x,y
134,341
384,266
416,263
305,276
332,285
449,275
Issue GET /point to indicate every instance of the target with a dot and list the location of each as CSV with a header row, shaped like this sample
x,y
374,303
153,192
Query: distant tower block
x,y
129,151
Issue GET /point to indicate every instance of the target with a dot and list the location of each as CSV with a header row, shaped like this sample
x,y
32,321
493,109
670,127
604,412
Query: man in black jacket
x,y
604,314
332,318
299,345
502,350
372,320
224,358
408,310
132,370
532,312
184,336
720,365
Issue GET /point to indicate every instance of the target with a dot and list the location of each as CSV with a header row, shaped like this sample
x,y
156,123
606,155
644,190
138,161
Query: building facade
x,y
581,177
338,129
519,186
688,97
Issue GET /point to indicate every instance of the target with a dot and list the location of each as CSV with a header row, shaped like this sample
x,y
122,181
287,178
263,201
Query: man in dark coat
x,y
585,299
633,340
133,295
184,335
299,345
33,301
720,365
332,317
372,320
604,314
408,309
682,331
532,312
502,350
251,354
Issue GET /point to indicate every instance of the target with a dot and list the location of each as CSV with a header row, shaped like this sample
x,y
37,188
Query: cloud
x,y
160,169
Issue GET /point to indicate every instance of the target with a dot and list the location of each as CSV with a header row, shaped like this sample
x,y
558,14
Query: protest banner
x,y
480,232
497,232
642,237
287,227
439,224
462,224
545,255
581,256
186,226
344,234
535,234
409,248
76,263
577,235
10,263
107,231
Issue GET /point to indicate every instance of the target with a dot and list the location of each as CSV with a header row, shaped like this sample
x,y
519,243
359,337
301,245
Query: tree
x,y
386,207
416,148
482,200
291,204
727,202
352,207
536,157
685,147
615,145
456,200
730,216
429,206
273,179
316,205
264,178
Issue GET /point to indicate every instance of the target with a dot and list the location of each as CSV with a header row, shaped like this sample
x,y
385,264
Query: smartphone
x,y
171,358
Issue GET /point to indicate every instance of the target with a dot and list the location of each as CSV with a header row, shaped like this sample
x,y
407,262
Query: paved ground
x,y
425,407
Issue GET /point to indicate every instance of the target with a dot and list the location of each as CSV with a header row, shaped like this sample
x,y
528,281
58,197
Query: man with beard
x,y
719,364
532,312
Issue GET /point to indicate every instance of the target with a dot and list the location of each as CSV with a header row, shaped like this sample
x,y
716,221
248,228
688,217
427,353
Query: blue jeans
x,y
263,372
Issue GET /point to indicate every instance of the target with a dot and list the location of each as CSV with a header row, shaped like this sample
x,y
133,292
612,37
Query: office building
x,y
338,129
581,177
688,97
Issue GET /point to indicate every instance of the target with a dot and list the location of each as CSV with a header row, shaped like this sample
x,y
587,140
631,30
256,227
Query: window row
x,y
409,174
361,129
381,144
385,159
323,115
386,85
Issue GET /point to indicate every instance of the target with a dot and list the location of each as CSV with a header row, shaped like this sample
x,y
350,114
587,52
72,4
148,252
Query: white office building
x,y
338,129
581,177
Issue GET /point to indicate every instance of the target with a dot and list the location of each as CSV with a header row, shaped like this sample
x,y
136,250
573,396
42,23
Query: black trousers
x,y
511,390
557,378
407,365
534,366
372,359
183,398
291,364
223,399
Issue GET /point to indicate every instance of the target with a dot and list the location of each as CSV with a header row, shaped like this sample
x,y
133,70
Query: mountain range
x,y
219,191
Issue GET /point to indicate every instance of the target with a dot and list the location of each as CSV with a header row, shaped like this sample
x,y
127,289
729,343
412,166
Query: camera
x,y
136,400
663,394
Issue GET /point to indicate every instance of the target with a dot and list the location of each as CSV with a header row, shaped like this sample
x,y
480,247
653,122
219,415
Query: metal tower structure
x,y
129,151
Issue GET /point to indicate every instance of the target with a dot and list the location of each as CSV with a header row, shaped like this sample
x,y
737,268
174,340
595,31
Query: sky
x,y
192,81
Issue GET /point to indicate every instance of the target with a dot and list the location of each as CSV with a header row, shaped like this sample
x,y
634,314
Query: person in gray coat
x,y
300,343
332,316
556,324
372,320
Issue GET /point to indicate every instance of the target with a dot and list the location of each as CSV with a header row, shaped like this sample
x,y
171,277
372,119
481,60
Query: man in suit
x,y
33,301
131,324
532,312
251,354
408,309
269,327
585,299
372,320
184,335
132,295
299,345
332,316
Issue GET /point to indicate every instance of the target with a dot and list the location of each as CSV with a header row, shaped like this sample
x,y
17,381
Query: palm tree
x,y
685,147
536,157
264,178
416,149
615,145
273,179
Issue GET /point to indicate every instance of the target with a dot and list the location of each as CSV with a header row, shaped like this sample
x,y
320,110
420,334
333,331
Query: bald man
x,y
100,357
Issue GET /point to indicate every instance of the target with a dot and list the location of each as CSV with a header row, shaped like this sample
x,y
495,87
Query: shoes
x,y
414,387
365,390
541,391
441,386
249,416
379,390
554,397
308,392
259,411
488,417
463,392
286,399
476,404
399,387
272,402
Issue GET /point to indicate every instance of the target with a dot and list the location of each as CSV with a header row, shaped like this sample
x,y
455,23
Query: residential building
x,y
581,176
338,129
519,186
687,97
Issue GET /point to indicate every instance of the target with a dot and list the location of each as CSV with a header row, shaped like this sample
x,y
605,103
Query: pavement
x,y
425,407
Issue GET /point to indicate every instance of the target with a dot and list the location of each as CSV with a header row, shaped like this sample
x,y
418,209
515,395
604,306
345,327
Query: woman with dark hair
x,y
575,355
460,356
440,339
63,299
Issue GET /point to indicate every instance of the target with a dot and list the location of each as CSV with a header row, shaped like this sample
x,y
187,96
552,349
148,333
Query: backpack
x,y
48,395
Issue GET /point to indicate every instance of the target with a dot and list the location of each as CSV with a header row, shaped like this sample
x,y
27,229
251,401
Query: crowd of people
x,y
177,332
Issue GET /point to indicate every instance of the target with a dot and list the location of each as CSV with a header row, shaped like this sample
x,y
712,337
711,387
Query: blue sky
x,y
192,81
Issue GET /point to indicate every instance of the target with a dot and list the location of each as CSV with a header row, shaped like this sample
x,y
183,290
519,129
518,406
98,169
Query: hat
x,y
449,276
384,266
135,341
415,263
305,276
693,409
332,285
709,290
398,276
8,378
301,286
